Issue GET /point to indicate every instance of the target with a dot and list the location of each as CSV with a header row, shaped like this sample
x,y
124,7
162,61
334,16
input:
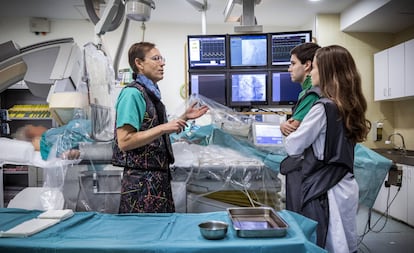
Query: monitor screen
x,y
283,43
248,50
210,85
267,134
283,90
248,88
207,51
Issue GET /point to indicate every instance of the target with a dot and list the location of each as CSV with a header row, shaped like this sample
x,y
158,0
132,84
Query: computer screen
x,y
207,51
266,134
283,90
283,43
210,85
248,50
248,88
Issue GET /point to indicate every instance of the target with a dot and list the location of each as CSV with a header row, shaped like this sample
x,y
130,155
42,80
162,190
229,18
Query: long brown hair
x,y
340,81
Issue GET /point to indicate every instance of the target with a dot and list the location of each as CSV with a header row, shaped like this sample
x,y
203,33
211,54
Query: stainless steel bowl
x,y
213,230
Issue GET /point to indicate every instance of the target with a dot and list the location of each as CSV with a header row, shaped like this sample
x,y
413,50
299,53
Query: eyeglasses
x,y
158,58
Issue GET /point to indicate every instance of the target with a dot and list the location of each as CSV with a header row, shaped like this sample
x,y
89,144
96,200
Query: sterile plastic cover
x,y
215,164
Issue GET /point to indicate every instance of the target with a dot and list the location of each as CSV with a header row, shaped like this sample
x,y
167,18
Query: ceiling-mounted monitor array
x,y
244,70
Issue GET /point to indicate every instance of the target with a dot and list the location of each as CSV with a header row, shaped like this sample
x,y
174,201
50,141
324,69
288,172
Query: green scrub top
x,y
305,105
130,108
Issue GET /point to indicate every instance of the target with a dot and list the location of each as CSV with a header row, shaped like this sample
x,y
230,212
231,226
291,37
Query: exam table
x,y
99,232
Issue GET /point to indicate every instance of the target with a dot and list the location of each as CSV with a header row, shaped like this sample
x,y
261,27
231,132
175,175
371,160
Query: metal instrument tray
x,y
257,222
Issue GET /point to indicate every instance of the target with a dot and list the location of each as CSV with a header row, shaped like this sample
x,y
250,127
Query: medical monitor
x,y
282,43
210,85
248,88
283,91
206,51
249,50
266,134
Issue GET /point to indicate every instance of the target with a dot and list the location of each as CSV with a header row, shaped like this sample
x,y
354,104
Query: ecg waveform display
x,y
282,44
212,50
207,51
281,48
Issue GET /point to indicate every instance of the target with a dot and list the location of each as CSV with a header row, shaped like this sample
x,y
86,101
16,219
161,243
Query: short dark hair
x,y
305,51
138,50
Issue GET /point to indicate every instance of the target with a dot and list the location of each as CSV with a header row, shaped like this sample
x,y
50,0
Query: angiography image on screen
x,y
248,87
247,51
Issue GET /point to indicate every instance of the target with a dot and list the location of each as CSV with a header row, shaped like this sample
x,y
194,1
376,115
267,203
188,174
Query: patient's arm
x,y
71,154
36,143
67,155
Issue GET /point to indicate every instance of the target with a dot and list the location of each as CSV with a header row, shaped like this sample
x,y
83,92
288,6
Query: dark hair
x,y
340,81
305,51
138,50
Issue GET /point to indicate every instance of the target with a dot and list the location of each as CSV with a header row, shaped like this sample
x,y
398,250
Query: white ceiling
x,y
394,16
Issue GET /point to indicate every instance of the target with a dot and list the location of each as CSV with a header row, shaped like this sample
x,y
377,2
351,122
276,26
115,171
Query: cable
x,y
386,212
143,28
368,228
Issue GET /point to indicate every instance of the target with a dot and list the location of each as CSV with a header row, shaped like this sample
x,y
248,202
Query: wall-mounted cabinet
x,y
381,75
393,68
409,68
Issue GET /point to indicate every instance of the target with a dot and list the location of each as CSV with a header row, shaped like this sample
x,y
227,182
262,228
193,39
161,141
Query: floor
x,y
383,234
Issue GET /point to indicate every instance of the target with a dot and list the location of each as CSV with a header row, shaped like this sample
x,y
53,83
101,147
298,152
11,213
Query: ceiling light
x,y
139,10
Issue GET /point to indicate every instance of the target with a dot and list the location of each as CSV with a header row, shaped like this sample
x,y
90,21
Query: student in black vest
x,y
326,139
142,145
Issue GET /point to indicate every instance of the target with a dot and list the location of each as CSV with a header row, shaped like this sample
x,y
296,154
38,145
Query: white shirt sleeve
x,y
312,131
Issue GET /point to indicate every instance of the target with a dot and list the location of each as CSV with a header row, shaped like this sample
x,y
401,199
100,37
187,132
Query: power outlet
x,y
395,175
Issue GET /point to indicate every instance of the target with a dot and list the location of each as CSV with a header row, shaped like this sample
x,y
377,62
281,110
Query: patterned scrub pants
x,y
146,192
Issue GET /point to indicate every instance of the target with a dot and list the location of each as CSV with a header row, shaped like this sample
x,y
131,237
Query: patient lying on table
x,y
62,141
